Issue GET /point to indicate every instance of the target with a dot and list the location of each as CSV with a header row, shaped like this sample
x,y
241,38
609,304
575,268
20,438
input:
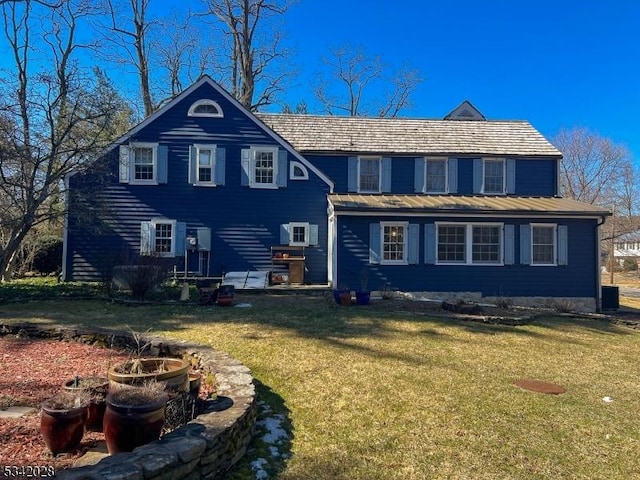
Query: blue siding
x,y
244,222
577,279
536,177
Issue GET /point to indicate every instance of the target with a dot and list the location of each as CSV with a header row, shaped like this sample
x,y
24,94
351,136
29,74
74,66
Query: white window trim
x,y
292,168
135,181
504,175
446,174
154,226
468,244
306,234
205,101
254,151
405,226
212,148
555,244
371,157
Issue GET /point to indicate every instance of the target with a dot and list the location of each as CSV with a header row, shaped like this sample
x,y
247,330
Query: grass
x,y
374,394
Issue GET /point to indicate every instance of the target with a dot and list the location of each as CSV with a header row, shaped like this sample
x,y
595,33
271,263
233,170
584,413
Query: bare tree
x,y
351,73
254,49
181,53
128,28
52,121
594,169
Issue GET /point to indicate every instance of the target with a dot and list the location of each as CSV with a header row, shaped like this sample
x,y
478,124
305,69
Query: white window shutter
x,y
285,238
124,164
162,163
146,236
375,245
419,175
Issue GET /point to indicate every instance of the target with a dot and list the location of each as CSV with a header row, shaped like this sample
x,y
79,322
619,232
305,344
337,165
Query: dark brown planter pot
x,y
195,380
175,377
345,299
62,429
129,426
97,388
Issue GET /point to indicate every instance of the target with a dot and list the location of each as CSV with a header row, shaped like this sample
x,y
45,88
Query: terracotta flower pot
x,y
62,429
129,426
195,380
345,299
97,388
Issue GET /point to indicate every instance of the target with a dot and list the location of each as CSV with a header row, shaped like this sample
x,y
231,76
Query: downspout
x,y
332,244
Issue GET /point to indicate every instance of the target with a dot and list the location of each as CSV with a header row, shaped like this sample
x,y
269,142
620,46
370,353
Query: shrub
x,y
630,264
48,257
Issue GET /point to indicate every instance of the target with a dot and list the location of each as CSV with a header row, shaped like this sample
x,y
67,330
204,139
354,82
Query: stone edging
x,y
206,447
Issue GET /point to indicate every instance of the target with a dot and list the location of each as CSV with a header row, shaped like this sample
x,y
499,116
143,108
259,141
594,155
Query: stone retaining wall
x,y
206,447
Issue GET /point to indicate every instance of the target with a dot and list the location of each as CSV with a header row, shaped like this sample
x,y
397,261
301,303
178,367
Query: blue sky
x,y
555,63
561,63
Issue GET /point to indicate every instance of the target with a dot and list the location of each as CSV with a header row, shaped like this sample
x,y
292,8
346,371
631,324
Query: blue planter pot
x,y
363,298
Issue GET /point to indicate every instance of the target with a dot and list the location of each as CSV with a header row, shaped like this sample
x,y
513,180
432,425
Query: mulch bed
x,y
32,371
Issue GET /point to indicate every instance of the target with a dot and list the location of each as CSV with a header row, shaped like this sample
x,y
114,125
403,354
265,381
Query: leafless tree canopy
x,y
596,170
253,49
350,74
53,119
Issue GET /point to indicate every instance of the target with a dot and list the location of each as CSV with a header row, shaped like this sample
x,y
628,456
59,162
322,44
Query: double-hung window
x,y
465,244
369,174
162,237
301,234
494,176
543,244
436,175
144,158
263,167
394,243
205,167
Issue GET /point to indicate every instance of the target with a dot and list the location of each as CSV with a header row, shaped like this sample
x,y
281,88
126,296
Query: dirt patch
x,y
539,386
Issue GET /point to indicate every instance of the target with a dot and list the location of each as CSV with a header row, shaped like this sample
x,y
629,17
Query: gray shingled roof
x,y
465,204
315,133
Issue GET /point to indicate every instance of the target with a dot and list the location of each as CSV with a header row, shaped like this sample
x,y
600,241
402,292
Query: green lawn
x,y
375,394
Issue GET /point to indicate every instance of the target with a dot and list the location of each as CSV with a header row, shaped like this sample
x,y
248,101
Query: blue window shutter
x,y
413,254
563,245
419,175
452,167
123,161
353,175
132,164
283,171
511,175
525,244
221,166
385,183
430,243
478,175
163,158
181,235
509,244
193,165
145,238
375,246
284,234
245,174
313,234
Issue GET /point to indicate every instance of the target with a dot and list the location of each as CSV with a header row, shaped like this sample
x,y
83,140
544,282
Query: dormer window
x,y
205,108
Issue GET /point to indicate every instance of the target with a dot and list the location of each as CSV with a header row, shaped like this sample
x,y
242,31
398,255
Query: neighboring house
x,y
463,206
627,247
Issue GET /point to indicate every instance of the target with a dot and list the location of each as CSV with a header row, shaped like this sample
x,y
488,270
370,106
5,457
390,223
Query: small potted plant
x,y
134,416
340,294
363,296
62,420
96,388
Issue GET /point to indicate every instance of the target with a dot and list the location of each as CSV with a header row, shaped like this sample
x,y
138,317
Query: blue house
x,y
460,207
